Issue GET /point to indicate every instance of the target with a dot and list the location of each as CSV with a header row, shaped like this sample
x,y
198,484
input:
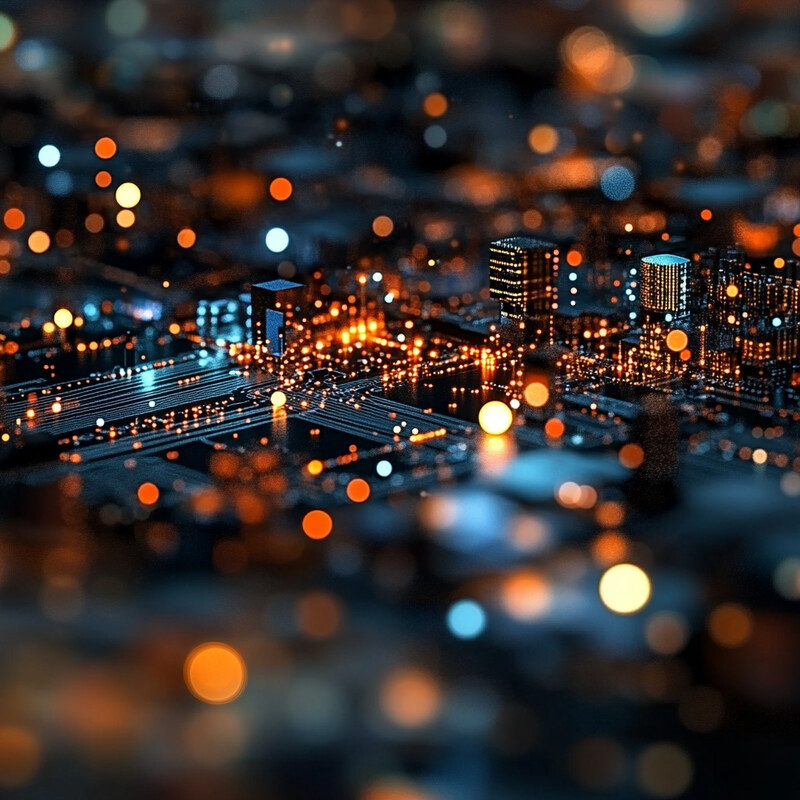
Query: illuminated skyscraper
x,y
664,285
523,277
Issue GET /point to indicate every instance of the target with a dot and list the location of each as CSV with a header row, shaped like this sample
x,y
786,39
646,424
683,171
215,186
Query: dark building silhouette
x,y
270,305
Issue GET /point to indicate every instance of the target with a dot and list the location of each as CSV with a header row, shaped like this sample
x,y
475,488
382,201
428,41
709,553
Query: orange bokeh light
x,y
317,524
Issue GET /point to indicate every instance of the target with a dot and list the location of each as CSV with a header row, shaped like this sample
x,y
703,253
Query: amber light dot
x,y
317,524
624,588
215,673
148,494
706,214
677,340
536,394
314,467
39,242
382,226
730,625
574,258
186,238
94,223
732,290
411,697
280,189
631,455
554,428
358,490
125,218
103,179
105,147
435,104
14,219
543,139
495,417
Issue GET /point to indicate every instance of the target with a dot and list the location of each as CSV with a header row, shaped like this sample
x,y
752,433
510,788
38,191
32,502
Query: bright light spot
x,y
99,422
624,588
466,619
617,183
317,524
358,490
186,238
148,494
543,139
732,290
280,189
315,467
49,155
536,394
759,456
125,218
383,468
215,673
382,226
277,240
677,340
776,322
63,318
105,147
128,195
278,399
495,417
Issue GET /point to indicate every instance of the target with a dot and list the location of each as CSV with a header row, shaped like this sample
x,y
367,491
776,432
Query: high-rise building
x,y
664,285
270,304
523,277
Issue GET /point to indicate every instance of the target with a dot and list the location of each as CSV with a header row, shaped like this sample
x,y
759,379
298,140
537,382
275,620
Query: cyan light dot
x,y
277,240
466,619
49,155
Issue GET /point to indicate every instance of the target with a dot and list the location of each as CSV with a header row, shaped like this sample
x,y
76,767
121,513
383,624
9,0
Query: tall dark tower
x,y
270,304
523,277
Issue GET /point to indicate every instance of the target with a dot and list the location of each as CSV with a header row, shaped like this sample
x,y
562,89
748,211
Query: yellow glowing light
x,y
779,263
128,195
495,417
732,290
536,394
624,588
56,407
677,340
278,399
215,673
543,139
63,318
315,467
317,524
48,327
174,328
759,456
38,242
